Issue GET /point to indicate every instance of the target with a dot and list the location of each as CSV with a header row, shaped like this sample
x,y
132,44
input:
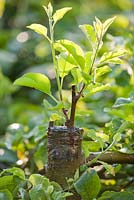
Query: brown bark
x,y
64,154
75,97
113,157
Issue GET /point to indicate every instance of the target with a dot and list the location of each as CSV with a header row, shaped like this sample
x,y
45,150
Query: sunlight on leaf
x,y
2,6
88,30
101,28
59,14
55,117
36,179
49,10
113,56
64,67
98,87
102,70
88,61
109,168
35,80
40,29
73,49
107,23
14,171
98,26
77,76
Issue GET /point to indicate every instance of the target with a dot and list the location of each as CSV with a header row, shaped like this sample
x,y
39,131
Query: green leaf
x,y
55,117
58,107
88,61
117,137
50,189
88,185
73,49
43,189
98,26
64,67
77,75
109,168
110,195
120,102
118,113
58,193
14,171
5,195
68,57
113,56
85,148
2,6
37,179
40,155
61,195
9,182
107,23
92,134
101,28
59,14
35,80
37,192
86,78
8,156
56,186
49,10
76,175
122,128
90,146
40,29
40,186
6,182
102,70
94,88
88,30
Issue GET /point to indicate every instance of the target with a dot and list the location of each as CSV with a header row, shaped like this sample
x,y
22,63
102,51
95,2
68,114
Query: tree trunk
x,y
64,154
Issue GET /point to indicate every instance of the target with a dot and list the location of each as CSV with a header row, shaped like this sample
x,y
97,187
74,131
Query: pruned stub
x,y
64,153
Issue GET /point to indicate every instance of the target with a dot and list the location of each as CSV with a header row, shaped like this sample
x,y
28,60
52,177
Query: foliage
x,y
108,115
88,185
84,64
14,185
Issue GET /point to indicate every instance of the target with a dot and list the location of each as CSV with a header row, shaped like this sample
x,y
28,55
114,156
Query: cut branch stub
x,y
64,153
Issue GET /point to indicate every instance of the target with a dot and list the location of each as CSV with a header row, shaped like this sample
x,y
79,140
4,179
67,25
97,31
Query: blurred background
x,y
23,114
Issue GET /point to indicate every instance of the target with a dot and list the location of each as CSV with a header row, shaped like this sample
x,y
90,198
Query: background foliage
x,y
24,113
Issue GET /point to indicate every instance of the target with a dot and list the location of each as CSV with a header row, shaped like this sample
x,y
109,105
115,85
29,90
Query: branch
x,y
73,106
112,157
75,98
65,112
81,91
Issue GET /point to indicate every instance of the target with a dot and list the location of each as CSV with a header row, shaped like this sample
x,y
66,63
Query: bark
x,y
64,154
113,157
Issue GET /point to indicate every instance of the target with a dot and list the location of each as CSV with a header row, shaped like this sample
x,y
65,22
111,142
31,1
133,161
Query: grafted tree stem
x,y
73,106
75,98
64,154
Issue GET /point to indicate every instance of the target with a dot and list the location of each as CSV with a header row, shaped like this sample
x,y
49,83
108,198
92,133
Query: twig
x,y
73,106
127,184
65,112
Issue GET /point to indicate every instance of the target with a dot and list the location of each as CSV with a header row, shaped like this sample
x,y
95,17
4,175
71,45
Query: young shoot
x,y
85,67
